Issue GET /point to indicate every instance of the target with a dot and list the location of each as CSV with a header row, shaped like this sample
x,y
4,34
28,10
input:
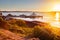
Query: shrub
x,y
21,23
42,33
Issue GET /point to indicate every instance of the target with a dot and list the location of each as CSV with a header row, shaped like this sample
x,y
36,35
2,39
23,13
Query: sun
x,y
56,7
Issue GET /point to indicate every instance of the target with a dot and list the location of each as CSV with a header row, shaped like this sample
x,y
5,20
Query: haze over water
x,y
47,16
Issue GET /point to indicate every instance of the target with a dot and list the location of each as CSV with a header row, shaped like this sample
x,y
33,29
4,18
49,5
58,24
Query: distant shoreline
x,y
30,11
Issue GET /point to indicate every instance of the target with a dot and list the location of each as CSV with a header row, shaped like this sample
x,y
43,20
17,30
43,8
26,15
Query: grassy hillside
x,y
28,29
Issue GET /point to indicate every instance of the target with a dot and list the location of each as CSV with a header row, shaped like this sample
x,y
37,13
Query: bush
x,y
4,24
42,33
21,23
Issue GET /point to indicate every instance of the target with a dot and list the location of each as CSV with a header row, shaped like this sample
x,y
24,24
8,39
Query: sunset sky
x,y
28,5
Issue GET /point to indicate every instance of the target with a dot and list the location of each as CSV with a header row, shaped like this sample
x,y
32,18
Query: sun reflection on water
x,y
56,23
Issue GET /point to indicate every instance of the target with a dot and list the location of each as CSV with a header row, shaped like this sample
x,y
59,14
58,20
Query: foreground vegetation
x,y
28,30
